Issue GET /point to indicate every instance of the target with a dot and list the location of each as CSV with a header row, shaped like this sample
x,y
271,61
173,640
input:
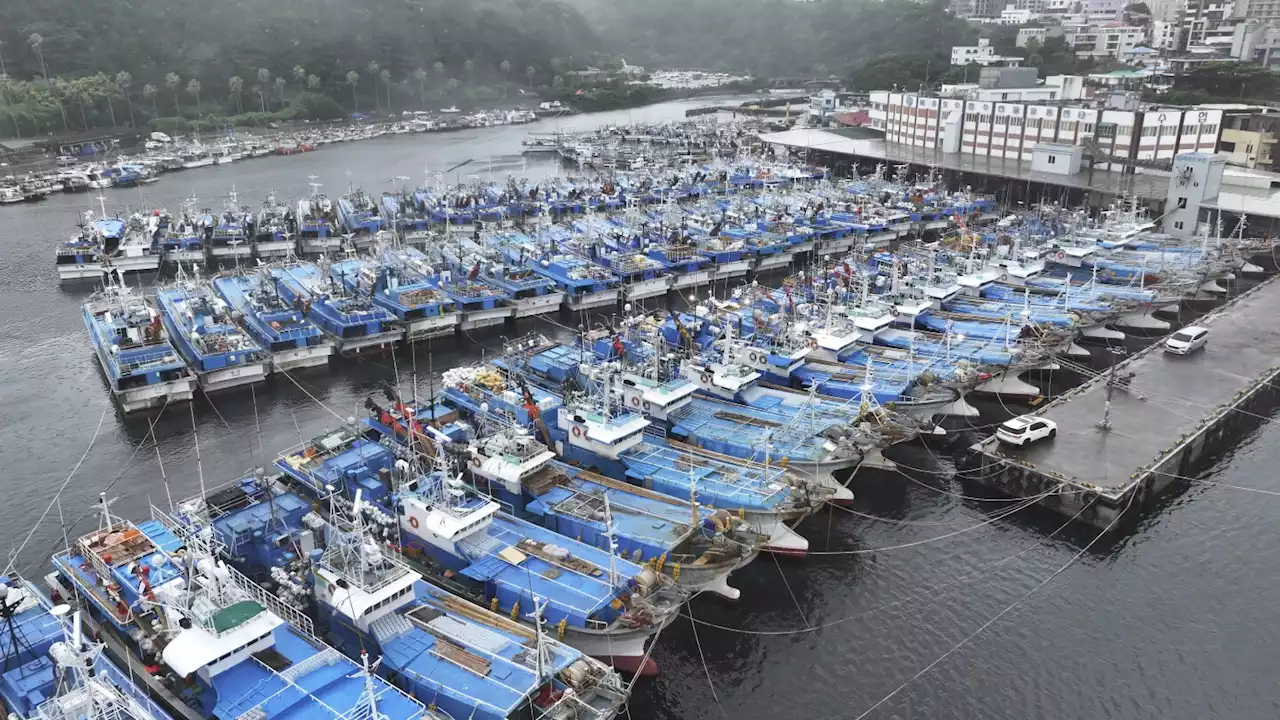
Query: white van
x,y
1187,340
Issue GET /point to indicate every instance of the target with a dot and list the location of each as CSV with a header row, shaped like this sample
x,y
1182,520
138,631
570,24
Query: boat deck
x,y
1171,401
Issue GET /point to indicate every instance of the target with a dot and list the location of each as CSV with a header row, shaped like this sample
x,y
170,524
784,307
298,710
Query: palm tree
x,y
421,76
452,85
529,72
439,68
470,68
385,74
105,87
149,91
264,76
280,82
123,82
299,73
313,81
35,40
372,67
7,87
193,88
171,81
76,90
505,67
236,85
557,83
353,79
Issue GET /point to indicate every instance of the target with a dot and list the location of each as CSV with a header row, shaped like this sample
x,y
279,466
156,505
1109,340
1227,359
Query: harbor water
x,y
913,598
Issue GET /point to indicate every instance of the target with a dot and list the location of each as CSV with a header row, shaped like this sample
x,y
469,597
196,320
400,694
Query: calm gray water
x,y
1175,620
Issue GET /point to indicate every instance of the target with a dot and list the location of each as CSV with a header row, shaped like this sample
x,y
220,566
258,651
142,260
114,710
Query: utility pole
x,y
1105,425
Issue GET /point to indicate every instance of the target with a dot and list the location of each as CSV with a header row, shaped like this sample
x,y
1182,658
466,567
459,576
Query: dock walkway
x,y
1174,411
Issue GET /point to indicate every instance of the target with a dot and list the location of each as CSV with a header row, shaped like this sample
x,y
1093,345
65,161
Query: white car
x,y
1187,340
1026,429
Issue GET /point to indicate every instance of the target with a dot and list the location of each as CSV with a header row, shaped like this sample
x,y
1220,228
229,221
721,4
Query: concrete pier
x,y
1173,414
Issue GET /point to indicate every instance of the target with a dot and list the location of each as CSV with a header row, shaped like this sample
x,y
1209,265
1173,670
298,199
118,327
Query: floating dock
x,y
1172,414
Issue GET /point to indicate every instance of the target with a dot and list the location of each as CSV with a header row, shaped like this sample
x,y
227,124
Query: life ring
x,y
753,357
475,461
813,344
706,378
413,522
646,406
1061,255
577,431
331,588
635,400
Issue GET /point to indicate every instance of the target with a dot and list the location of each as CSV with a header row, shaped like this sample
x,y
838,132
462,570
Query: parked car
x,y
1026,429
1187,340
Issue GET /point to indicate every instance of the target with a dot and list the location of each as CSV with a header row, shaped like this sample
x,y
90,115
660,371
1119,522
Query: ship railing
x,y
194,537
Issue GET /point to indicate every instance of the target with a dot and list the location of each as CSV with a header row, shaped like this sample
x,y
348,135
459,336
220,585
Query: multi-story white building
x,y
1110,40
1208,23
982,54
1011,129
1263,11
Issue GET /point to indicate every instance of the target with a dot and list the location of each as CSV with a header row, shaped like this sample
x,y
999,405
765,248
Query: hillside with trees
x,y
69,64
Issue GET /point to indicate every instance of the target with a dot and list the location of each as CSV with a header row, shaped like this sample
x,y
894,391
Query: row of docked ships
x,y
484,553
385,287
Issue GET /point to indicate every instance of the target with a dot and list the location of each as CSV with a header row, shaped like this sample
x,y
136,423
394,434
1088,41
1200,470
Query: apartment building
x,y
1011,130
982,54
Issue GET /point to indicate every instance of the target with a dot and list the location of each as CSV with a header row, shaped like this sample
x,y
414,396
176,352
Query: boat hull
x,y
734,269
369,344
645,289
587,301
691,279
274,248
476,319
623,649
227,378
313,356
538,304
771,262
430,327
84,271
142,263
156,395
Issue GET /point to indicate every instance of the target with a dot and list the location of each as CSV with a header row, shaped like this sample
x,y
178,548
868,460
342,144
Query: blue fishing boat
x,y
142,368
52,667
610,607
355,324
182,238
80,258
360,217
529,292
317,224
465,661
698,546
274,230
282,329
480,303
768,496
421,308
228,648
229,232
585,284
215,348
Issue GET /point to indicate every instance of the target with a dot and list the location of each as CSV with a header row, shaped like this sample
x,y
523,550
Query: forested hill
x,y
776,37
244,53
213,40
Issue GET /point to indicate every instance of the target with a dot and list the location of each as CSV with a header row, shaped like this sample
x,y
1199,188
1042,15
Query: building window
x,y
1228,146
1208,129
1124,129
1086,127
1150,131
1069,126
1053,159
1178,224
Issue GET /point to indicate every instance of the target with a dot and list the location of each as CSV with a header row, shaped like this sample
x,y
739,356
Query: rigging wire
x,y
1002,613
993,518
13,558
931,592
